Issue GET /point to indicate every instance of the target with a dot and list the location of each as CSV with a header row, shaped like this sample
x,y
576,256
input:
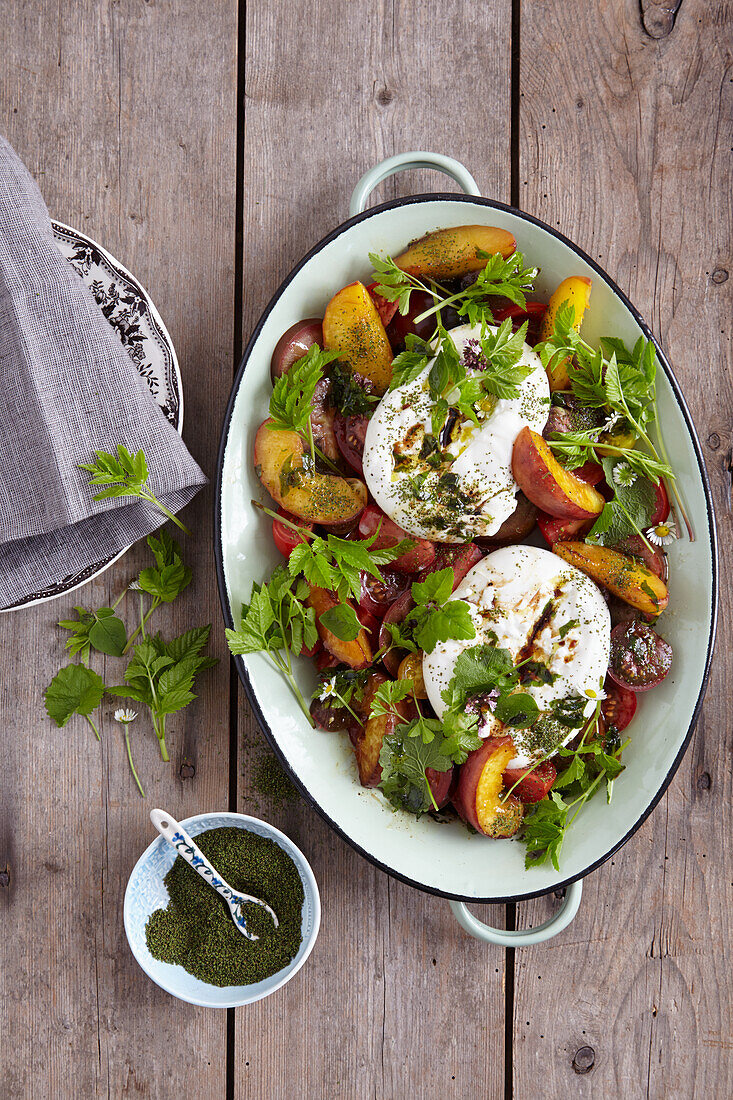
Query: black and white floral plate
x,y
129,310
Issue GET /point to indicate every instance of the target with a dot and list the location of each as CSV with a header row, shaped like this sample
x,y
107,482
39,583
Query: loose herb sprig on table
x,y
162,675
125,475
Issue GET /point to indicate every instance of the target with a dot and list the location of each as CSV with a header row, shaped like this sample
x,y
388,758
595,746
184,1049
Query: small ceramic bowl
x,y
147,892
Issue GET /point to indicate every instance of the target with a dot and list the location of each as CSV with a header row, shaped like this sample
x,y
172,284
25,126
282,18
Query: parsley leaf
x,y
291,402
337,564
502,350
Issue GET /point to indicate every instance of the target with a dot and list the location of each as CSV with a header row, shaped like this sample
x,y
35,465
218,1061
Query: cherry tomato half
x,y
640,658
619,706
560,530
286,539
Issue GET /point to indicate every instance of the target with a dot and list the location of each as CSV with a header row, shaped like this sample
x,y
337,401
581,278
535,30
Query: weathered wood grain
x,y
126,114
396,1000
626,136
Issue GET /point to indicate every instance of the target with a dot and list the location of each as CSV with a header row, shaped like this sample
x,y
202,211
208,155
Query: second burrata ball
x,y
458,486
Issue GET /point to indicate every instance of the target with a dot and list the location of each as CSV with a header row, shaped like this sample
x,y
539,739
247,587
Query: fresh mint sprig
x,y
125,475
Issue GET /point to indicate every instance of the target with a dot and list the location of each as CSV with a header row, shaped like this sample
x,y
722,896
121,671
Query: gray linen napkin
x,y
67,389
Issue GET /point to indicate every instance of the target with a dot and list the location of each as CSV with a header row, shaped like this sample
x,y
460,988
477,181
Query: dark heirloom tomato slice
x,y
350,432
661,504
535,785
396,613
294,343
329,718
515,527
385,309
619,706
640,658
378,596
400,325
285,538
534,313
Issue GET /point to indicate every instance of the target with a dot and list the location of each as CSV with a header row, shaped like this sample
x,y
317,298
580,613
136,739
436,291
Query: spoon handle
x,y
179,839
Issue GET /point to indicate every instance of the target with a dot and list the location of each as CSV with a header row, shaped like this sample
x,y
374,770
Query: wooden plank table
x,y
207,145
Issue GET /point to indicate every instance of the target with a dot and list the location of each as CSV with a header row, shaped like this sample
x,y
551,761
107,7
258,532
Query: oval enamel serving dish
x,y
441,858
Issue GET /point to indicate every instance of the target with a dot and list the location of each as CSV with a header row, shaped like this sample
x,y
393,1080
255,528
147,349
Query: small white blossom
x,y
623,474
662,534
328,690
611,422
134,586
125,716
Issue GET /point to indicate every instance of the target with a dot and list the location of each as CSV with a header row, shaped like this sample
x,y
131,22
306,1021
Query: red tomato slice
x,y
560,530
535,784
534,309
385,309
286,539
619,706
661,504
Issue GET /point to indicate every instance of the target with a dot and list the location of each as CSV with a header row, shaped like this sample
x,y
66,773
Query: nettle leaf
x,y
443,624
342,621
74,689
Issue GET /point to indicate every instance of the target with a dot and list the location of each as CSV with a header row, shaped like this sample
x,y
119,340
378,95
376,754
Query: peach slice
x,y
447,253
353,328
367,739
574,291
549,485
356,653
623,576
478,799
317,498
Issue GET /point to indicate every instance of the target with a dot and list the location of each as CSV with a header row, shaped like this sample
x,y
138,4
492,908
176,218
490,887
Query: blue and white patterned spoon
x,y
179,839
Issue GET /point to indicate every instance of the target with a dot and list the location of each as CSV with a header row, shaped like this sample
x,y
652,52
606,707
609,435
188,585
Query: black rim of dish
x,y
226,609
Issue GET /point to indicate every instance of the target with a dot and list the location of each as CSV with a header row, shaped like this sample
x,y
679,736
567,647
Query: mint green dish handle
x,y
523,937
400,163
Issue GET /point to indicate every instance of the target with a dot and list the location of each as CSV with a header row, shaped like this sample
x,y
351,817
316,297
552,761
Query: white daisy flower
x,y
134,586
328,690
125,716
611,422
662,534
623,474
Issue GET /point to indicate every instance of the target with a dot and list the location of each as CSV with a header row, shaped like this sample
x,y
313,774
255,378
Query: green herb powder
x,y
196,930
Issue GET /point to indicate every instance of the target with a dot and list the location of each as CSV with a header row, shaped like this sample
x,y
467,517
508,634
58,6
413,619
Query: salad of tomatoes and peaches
x,y
471,506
